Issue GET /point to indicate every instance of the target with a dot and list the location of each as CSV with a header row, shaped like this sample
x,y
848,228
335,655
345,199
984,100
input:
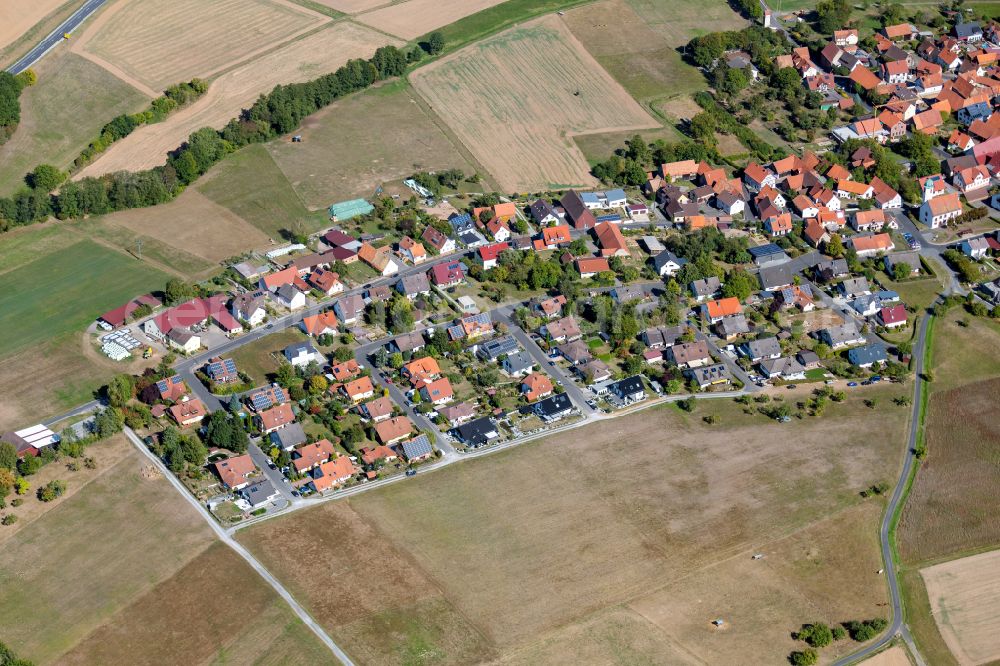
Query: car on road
x,y
791,386
852,384
269,326
411,472
875,378
907,236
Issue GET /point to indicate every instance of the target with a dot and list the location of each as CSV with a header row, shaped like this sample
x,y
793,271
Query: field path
x,y
319,53
241,551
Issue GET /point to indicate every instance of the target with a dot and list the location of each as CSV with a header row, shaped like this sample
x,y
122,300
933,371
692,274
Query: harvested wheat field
x,y
516,99
414,18
965,602
18,16
194,224
305,59
215,609
597,529
71,570
894,656
162,42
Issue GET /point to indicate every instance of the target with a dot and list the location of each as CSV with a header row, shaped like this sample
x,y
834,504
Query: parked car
x,y
852,384
411,472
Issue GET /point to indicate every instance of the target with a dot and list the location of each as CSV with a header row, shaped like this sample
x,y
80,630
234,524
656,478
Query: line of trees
x,y
174,97
273,114
10,100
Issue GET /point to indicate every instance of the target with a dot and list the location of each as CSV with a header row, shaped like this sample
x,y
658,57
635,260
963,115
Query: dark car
x,y
411,472
852,384
791,386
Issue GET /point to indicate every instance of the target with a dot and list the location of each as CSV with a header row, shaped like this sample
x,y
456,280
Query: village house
x,y
689,354
869,245
324,323
448,274
393,430
301,354
350,309
307,457
326,281
234,473
407,342
378,409
844,335
332,474
188,411
438,240
937,212
592,266
536,386
289,437
436,391
279,416
562,330
290,297
249,307
868,355
892,317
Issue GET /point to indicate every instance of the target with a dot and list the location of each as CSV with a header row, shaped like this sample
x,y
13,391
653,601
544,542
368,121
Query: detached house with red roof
x,y
715,310
448,274
973,178
892,317
276,417
488,255
437,391
235,472
536,386
332,474
757,177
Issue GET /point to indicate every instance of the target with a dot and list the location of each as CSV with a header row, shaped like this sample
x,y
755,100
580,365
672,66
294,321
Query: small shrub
x,y
9,519
839,633
17,501
806,657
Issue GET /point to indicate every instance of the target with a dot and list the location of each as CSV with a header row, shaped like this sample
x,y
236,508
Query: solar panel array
x,y
226,366
118,346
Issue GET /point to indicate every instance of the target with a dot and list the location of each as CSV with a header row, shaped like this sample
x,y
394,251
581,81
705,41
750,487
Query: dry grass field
x,y
610,539
358,143
67,573
516,99
414,18
301,60
215,609
965,601
162,42
680,20
61,114
894,656
17,16
194,224
106,454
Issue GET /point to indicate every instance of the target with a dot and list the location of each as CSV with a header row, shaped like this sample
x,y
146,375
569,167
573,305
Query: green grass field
x,y
61,114
64,291
252,186
256,359
183,263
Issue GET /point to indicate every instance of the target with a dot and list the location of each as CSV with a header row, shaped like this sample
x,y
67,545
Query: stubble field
x,y
680,20
516,99
358,143
162,42
965,600
414,18
301,60
582,536
20,15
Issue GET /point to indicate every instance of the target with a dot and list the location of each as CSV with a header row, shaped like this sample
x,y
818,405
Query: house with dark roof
x,y
709,375
417,449
476,433
760,349
413,285
577,212
868,355
705,288
408,342
553,408
630,389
